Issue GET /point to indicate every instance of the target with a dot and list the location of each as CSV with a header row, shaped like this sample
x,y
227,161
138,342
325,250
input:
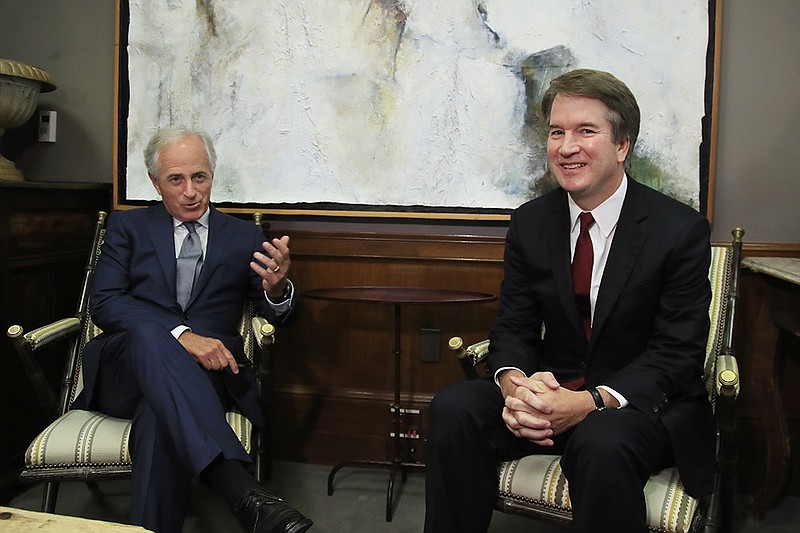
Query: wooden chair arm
x,y
456,345
727,376
471,356
475,353
27,343
44,335
263,331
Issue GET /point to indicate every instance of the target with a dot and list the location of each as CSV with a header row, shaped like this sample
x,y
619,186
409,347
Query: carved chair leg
x,y
50,496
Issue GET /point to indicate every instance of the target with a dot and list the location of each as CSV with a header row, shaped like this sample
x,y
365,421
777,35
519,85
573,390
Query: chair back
x,y
719,274
723,275
72,383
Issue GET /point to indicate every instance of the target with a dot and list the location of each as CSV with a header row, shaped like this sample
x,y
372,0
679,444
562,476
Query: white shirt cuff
x,y
503,369
178,330
284,306
619,397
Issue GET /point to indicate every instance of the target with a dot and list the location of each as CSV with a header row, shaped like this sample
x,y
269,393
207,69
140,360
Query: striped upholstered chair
x,y
535,486
88,445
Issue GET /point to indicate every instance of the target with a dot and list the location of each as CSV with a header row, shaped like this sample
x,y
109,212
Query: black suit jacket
x,y
650,322
135,281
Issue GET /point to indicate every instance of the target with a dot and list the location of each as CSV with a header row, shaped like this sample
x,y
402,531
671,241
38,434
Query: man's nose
x,y
569,144
189,189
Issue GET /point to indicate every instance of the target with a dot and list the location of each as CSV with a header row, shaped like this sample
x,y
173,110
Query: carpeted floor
x,y
358,504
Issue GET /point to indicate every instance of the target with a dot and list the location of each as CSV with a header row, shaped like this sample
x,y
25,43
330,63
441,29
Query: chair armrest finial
x,y
456,344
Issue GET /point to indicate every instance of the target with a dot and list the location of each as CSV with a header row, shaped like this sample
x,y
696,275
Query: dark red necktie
x,y
582,272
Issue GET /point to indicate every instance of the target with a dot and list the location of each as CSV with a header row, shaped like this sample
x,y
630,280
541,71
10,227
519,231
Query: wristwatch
x,y
599,404
287,292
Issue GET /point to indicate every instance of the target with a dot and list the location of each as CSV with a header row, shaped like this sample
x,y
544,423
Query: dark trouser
x,y
179,422
607,459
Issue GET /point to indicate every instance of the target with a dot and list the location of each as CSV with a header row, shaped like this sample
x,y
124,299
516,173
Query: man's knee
x,y
458,401
148,331
444,404
445,408
463,410
146,338
598,445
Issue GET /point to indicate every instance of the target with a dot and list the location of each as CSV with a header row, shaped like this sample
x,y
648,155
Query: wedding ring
x,y
276,269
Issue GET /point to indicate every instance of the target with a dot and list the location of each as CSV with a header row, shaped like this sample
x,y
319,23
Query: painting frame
x,y
707,150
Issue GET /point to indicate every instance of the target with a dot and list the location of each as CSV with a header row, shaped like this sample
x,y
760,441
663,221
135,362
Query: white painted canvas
x,y
404,104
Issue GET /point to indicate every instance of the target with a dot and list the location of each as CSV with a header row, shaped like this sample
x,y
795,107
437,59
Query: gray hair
x,y
173,134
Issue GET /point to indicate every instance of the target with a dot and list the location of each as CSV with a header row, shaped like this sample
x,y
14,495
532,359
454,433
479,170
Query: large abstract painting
x,y
402,106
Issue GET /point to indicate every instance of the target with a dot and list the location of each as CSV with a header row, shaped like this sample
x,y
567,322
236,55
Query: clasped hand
x,y
538,408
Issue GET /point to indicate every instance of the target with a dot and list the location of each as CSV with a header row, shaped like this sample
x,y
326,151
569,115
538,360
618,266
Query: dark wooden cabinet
x,y
45,235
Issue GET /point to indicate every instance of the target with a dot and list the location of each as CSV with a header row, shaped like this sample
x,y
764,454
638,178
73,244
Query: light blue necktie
x,y
189,263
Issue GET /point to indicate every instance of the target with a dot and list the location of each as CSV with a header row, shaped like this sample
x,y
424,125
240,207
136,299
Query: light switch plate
x,y
47,126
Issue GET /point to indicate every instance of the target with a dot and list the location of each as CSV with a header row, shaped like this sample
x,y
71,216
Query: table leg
x,y
396,464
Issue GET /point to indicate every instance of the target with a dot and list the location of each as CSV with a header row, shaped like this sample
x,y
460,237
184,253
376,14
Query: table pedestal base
x,y
393,466
395,296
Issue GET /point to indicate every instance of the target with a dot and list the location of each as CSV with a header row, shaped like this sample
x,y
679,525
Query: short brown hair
x,y
623,111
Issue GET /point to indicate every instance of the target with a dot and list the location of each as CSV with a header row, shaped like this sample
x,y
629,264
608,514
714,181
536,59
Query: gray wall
x,y
757,181
758,158
73,40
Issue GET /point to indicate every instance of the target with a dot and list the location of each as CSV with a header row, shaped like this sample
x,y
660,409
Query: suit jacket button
x,y
186,316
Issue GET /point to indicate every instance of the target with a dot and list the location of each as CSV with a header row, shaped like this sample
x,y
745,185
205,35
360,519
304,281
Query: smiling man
x,y
168,292
598,347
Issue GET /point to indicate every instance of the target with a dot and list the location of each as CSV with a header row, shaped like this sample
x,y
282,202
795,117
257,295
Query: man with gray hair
x,y
168,291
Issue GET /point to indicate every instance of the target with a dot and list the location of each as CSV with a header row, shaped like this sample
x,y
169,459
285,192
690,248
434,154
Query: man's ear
x,y
154,181
622,150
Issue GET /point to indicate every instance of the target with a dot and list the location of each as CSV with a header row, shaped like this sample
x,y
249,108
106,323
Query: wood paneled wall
x,y
45,234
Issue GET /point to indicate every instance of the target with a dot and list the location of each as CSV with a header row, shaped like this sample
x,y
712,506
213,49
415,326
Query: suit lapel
x,y
162,234
219,235
558,243
629,240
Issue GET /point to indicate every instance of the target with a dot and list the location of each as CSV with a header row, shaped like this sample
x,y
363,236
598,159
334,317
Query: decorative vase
x,y
20,86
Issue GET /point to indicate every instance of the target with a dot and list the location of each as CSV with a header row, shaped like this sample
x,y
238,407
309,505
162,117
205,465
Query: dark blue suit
x,y
137,369
648,342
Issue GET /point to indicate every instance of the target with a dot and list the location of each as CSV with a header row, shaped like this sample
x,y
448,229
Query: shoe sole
x,y
302,526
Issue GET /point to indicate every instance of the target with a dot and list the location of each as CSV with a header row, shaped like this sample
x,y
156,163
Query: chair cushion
x,y
88,438
537,481
81,438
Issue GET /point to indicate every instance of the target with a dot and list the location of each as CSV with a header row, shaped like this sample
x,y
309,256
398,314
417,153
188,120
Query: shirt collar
x,y
203,220
606,215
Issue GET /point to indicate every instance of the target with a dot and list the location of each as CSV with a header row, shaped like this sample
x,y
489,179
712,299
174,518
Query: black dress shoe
x,y
261,512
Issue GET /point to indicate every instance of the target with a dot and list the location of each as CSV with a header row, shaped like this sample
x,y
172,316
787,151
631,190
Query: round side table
x,y
396,296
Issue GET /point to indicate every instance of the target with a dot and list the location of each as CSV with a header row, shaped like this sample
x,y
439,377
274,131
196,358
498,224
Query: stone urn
x,y
20,86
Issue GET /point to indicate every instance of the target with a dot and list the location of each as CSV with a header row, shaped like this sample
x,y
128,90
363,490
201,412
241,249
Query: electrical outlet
x,y
47,126
429,345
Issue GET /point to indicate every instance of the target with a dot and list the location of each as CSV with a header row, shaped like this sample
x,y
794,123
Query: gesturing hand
x,y
273,266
